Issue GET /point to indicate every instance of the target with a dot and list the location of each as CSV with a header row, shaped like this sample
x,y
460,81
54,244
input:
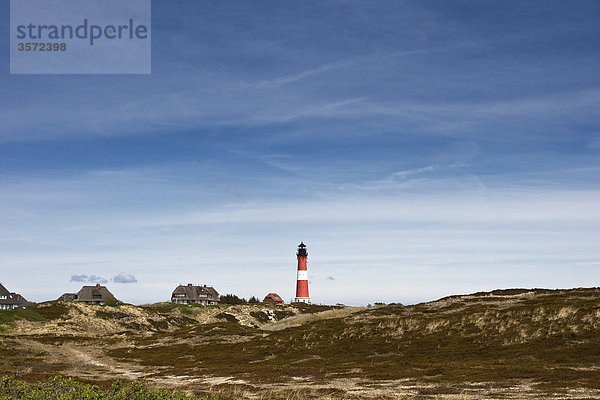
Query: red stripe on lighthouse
x,y
302,289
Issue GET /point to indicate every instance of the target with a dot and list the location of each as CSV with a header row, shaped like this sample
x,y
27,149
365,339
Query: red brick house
x,y
273,298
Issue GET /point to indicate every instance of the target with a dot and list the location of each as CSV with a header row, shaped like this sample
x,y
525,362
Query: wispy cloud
x,y
594,143
351,62
277,82
326,109
438,113
416,171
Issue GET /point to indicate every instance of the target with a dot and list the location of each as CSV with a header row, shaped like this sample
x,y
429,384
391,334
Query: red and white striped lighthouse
x,y
302,281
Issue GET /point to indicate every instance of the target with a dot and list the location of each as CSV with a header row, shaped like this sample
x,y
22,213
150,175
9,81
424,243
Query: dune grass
x,y
545,338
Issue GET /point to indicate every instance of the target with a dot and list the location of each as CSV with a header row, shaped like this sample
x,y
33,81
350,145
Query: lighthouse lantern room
x,y
302,281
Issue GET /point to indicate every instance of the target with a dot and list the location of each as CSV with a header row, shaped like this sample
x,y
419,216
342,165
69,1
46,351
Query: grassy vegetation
x,y
269,315
313,308
51,310
227,317
546,338
35,313
111,315
17,314
261,316
550,339
60,388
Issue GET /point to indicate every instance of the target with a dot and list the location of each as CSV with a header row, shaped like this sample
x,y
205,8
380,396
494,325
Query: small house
x,y
95,295
68,297
192,294
273,298
10,300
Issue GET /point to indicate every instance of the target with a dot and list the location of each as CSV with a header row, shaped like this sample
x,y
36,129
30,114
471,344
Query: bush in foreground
x,y
59,388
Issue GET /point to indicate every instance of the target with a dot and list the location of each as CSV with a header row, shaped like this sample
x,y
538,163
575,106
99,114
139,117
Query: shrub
x,y
111,303
232,299
260,316
227,317
51,310
8,316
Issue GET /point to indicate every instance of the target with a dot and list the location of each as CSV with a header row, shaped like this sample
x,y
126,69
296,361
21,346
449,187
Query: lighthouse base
x,y
302,300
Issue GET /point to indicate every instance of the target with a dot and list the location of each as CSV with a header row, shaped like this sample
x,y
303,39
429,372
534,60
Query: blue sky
x,y
419,148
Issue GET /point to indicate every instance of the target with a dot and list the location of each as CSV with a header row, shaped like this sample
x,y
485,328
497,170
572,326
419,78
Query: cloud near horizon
x,y
124,278
120,278
88,278
79,278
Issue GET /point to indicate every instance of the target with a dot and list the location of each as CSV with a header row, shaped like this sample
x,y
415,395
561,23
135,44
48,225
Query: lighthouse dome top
x,y
302,250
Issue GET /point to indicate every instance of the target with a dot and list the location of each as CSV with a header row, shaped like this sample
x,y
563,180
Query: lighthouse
x,y
302,281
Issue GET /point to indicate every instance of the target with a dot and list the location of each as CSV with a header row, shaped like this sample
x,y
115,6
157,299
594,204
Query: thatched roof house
x,y
68,297
273,298
191,294
95,295
10,300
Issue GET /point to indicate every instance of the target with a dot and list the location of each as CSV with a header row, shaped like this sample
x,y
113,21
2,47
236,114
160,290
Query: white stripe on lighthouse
x,y
302,275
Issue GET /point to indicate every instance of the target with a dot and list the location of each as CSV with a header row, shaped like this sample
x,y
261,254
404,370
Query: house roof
x,y
68,297
4,291
191,292
11,298
95,293
18,299
274,297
